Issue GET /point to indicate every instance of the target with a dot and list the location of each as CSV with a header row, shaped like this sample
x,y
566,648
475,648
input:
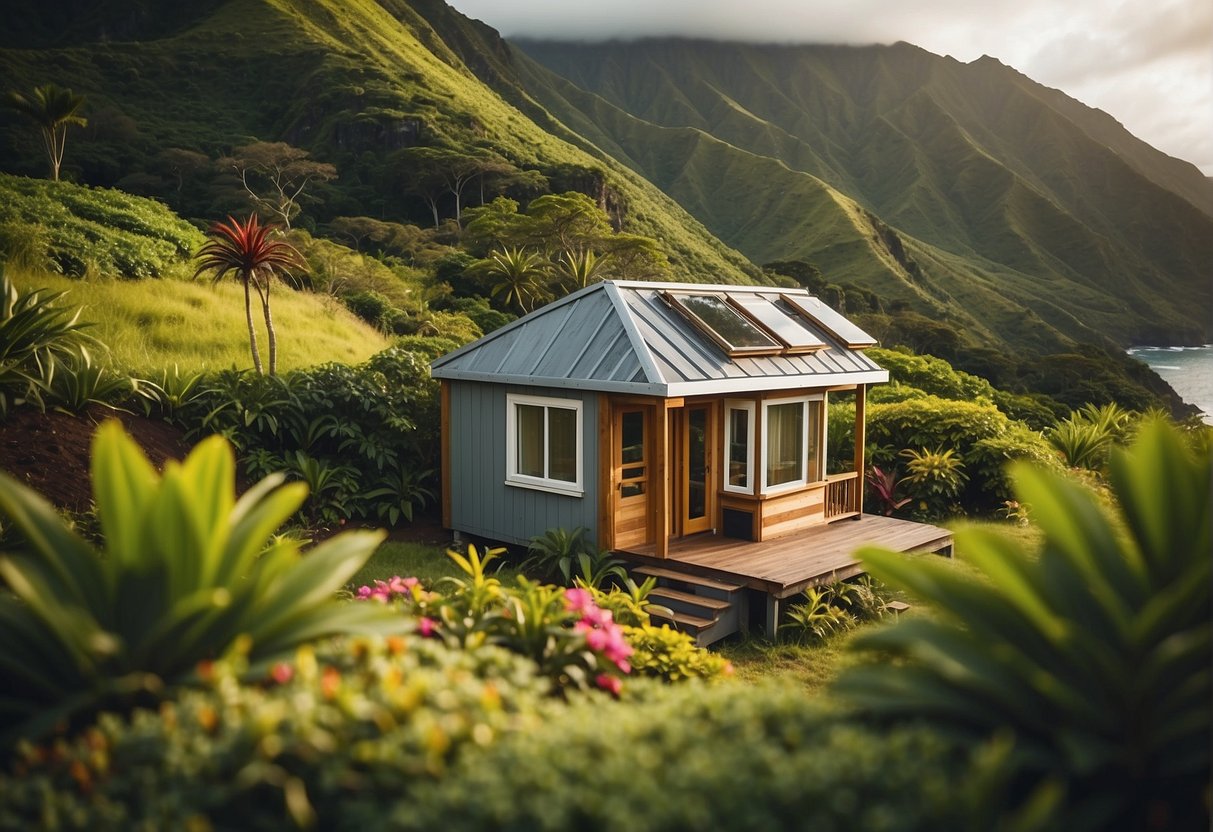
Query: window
x,y
723,324
790,438
738,445
784,326
543,444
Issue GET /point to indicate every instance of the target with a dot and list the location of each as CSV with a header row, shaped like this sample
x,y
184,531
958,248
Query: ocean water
x,y
1187,369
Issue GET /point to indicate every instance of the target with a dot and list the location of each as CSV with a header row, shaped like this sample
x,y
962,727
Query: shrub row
x,y
70,228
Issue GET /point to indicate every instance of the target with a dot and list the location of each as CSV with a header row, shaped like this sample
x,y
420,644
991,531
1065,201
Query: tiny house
x,y
654,412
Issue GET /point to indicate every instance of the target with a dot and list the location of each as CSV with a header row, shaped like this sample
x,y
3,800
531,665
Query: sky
x,y
1148,63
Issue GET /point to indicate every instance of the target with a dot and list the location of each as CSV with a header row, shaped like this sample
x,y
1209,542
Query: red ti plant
x,y
246,249
884,485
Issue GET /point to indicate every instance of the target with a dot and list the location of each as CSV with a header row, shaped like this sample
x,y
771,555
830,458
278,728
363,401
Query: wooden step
x,y
686,578
682,621
704,601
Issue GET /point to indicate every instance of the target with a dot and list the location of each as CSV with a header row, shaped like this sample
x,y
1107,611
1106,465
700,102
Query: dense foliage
x,y
187,572
363,438
328,738
75,230
1090,663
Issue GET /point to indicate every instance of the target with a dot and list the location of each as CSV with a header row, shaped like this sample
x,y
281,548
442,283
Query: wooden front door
x,y
631,472
694,428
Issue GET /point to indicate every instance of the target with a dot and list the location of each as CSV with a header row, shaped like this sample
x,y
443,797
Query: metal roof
x,y
622,337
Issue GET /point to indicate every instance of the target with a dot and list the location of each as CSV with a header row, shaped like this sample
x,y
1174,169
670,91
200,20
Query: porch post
x,y
661,481
861,429
771,623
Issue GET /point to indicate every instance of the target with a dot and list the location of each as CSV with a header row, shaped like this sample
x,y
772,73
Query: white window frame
x,y
807,475
512,477
748,406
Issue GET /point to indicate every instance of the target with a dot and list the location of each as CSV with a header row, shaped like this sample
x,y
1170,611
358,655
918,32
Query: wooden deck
x,y
786,566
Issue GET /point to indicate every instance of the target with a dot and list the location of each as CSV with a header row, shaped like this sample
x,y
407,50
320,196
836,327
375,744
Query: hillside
x,y
956,209
352,82
1007,194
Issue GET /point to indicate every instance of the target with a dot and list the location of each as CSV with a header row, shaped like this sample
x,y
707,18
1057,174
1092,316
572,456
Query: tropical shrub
x,y
672,656
936,478
696,757
371,431
817,619
553,554
329,737
79,228
1086,437
834,608
883,486
36,334
931,375
977,432
76,382
1090,663
185,574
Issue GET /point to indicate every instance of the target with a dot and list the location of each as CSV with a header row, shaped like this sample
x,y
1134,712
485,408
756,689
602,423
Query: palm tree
x,y
245,249
579,268
519,273
53,108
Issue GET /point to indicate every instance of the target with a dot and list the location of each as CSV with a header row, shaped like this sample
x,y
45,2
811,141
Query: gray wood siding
x,y
481,502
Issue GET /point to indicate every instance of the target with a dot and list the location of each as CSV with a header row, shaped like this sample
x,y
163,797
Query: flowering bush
x,y
574,642
332,736
580,637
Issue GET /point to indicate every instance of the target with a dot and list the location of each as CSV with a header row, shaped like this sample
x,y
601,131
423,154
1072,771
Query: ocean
x,y
1187,369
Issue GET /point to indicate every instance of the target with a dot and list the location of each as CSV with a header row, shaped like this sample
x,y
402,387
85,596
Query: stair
x,y
706,608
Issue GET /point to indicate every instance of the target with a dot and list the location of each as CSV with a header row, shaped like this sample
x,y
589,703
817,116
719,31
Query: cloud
x,y
1148,64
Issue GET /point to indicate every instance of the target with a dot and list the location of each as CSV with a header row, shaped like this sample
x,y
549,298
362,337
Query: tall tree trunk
x,y
269,327
252,333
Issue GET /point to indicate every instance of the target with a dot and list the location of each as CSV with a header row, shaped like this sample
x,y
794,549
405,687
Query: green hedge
x,y
982,434
69,229
691,757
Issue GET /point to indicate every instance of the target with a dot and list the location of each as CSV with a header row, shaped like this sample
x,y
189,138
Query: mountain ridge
x,y
921,142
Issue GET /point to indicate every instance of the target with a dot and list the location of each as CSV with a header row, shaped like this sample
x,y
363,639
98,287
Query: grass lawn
x,y
149,325
418,560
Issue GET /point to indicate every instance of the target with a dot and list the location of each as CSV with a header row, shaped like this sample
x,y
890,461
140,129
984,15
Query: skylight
x,y
723,323
832,322
787,328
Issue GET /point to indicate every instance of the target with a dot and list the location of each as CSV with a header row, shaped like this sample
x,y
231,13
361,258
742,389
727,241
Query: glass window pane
x,y
697,462
814,434
562,444
632,449
529,420
631,489
785,443
739,447
787,327
726,322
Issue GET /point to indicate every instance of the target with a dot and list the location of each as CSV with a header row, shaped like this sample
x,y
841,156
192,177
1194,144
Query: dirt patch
x,y
49,452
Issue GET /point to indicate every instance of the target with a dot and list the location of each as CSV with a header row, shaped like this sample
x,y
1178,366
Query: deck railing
x,y
842,494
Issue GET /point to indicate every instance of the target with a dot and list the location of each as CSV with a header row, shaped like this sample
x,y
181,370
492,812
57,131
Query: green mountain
x,y
965,209
1006,195
352,81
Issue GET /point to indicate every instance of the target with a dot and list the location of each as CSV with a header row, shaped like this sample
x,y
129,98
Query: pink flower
x,y
579,601
364,592
426,626
402,586
282,673
596,640
609,683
